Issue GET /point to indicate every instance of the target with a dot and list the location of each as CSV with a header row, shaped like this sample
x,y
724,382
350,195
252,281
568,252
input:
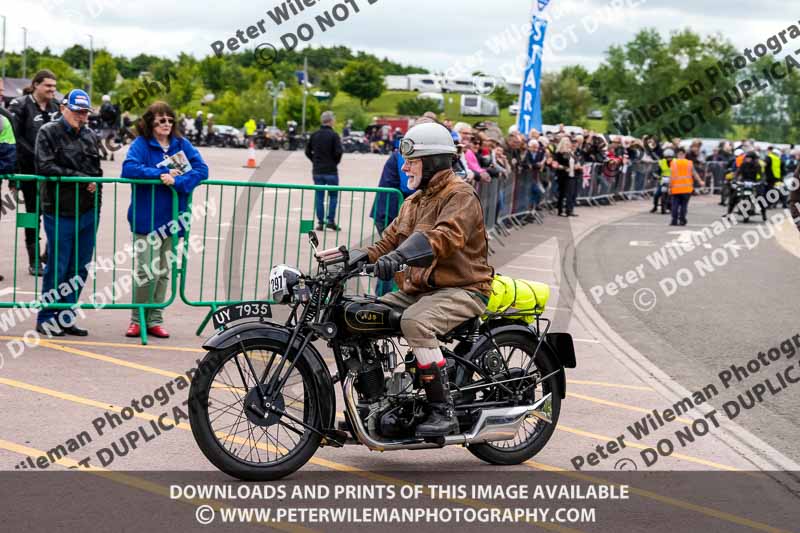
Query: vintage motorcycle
x,y
263,399
747,191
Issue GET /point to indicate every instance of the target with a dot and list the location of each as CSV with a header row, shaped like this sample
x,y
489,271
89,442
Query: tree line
x,y
638,74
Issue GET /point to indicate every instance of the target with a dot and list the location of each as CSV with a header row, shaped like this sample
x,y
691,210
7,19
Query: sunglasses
x,y
162,121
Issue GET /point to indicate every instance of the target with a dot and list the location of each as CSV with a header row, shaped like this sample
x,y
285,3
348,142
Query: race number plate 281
x,y
242,311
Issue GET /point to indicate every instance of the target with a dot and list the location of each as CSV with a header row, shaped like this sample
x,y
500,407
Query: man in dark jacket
x,y
325,151
794,197
30,112
67,147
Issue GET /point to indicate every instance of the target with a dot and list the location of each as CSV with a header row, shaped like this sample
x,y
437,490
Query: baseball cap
x,y
78,100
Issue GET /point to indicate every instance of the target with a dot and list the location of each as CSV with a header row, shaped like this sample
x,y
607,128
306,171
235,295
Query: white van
x,y
424,83
459,85
396,83
479,106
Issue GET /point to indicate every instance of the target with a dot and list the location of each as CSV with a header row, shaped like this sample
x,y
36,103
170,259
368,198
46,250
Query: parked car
x,y
513,109
356,142
228,136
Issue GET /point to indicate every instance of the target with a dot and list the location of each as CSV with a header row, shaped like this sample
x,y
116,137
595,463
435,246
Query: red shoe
x,y
158,331
133,330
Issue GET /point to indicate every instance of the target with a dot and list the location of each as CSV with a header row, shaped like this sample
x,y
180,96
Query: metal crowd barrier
x,y
234,233
715,172
255,226
111,271
259,225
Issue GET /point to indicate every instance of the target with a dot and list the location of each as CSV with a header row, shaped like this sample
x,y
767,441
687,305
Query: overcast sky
x,y
442,35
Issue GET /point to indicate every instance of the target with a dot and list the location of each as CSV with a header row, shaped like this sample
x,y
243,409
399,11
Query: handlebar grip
x,y
369,269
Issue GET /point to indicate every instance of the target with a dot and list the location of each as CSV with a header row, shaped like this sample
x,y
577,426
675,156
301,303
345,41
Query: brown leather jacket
x,y
449,213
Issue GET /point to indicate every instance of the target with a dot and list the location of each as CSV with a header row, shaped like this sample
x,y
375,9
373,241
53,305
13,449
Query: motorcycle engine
x,y
396,415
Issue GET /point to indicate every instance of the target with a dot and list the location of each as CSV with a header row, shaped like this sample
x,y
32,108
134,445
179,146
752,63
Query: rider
x,y
664,165
749,170
443,221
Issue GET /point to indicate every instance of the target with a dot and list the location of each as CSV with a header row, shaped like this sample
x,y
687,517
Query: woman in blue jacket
x,y
150,213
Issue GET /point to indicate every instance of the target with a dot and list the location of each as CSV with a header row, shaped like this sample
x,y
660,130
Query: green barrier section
x,y
113,267
235,233
251,227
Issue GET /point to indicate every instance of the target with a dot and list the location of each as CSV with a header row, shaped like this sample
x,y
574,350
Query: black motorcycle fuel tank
x,y
367,316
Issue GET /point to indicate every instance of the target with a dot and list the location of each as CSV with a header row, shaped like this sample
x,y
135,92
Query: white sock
x,y
428,356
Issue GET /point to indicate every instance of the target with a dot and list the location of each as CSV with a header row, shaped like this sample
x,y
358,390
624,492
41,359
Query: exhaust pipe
x,y
493,424
503,423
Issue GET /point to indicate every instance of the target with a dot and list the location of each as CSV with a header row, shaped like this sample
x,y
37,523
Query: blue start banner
x,y
530,113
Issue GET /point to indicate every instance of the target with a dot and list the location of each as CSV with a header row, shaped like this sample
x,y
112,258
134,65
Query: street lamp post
x,y
305,91
4,47
24,52
91,65
275,91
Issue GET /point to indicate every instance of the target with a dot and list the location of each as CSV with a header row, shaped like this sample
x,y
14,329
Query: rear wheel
x,y
511,354
236,440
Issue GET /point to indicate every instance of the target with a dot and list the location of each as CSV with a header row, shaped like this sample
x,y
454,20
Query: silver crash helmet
x,y
282,279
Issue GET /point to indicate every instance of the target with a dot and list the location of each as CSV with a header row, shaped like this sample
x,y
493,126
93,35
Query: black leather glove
x,y
358,257
387,265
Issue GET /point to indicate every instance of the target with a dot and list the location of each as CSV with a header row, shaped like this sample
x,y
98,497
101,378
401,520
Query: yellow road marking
x,y
708,511
610,385
327,358
109,359
134,481
561,427
638,446
620,405
116,345
186,427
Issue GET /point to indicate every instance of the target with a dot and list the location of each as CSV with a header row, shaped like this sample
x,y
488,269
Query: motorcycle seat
x,y
463,329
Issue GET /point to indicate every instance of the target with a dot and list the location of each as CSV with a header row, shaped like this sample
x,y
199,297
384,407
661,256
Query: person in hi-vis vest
x,y
664,167
681,186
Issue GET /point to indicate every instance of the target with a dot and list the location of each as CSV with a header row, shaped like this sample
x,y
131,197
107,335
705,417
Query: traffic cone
x,y
251,156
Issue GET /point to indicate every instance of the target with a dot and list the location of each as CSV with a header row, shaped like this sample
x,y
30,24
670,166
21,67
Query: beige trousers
x,y
434,313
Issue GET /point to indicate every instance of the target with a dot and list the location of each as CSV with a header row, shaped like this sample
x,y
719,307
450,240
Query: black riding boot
x,y
33,258
442,420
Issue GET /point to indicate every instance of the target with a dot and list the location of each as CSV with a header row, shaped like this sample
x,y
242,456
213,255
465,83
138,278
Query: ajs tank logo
x,y
370,318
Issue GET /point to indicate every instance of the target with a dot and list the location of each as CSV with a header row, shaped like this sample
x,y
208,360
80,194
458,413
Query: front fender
x,y
269,330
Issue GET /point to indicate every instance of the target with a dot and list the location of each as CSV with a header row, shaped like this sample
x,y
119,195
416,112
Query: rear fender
x,y
268,330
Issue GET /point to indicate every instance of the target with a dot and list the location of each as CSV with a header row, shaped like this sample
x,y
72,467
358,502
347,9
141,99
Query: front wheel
x,y
237,440
516,352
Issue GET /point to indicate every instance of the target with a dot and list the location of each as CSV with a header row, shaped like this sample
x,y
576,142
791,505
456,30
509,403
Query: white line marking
x,y
533,269
10,290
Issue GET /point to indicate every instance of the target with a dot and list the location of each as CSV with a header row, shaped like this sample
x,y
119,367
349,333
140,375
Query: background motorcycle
x,y
746,190
263,400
